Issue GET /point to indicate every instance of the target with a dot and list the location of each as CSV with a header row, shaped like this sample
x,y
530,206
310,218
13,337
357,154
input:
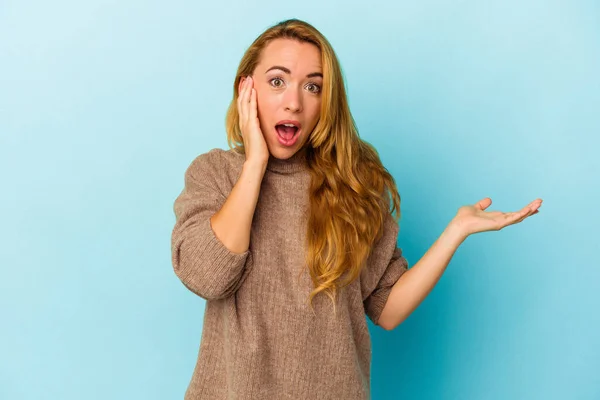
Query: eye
x,y
315,88
275,80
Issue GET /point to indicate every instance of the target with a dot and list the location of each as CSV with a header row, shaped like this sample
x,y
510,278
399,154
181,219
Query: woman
x,y
290,238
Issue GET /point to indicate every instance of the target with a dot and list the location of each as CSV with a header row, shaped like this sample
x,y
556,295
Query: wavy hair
x,y
350,189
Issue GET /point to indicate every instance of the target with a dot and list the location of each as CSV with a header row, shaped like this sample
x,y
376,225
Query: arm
x,y
213,261
416,283
233,221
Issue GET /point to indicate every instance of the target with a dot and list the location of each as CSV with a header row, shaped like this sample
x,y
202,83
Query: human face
x,y
288,82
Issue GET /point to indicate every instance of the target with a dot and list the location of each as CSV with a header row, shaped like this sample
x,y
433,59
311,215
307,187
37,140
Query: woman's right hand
x,y
254,141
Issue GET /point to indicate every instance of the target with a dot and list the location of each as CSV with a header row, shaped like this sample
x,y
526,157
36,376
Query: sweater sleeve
x,y
200,260
385,267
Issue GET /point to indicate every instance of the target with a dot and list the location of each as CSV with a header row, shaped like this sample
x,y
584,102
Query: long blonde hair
x,y
350,188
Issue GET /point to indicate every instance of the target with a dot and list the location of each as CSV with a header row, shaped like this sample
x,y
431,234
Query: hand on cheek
x,y
252,135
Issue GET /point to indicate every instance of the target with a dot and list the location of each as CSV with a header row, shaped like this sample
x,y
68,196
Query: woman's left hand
x,y
473,218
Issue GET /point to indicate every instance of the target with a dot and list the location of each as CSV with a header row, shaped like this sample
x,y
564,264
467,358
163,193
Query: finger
x,y
241,117
528,213
253,110
247,92
246,106
483,203
242,102
518,214
514,217
241,97
534,204
249,89
241,85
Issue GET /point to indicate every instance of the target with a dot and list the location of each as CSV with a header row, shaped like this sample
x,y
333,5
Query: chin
x,y
283,153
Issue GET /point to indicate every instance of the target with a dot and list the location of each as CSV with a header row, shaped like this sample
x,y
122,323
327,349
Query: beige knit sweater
x,y
260,339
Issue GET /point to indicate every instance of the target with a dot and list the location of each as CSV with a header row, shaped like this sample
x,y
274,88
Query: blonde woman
x,y
290,235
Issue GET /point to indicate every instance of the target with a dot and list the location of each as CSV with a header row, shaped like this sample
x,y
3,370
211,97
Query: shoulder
x,y
208,160
231,159
217,160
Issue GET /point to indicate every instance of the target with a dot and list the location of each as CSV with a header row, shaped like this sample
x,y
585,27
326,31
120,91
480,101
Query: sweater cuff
x,y
211,248
377,303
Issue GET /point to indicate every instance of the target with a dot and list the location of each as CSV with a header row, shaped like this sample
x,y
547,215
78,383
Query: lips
x,y
290,123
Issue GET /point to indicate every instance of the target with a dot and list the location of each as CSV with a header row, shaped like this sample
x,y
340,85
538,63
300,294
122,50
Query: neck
x,y
297,162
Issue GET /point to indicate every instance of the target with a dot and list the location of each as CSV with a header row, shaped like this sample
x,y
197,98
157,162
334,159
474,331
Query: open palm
x,y
473,218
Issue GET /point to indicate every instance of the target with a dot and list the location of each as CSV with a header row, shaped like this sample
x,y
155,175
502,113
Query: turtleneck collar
x,y
297,162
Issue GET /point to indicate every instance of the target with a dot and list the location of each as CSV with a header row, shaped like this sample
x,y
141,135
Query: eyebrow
x,y
287,71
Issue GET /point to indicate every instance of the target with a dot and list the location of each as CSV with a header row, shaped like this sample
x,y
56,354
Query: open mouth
x,y
286,131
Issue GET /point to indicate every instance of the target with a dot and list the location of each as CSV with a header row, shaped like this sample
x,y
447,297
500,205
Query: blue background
x,y
103,104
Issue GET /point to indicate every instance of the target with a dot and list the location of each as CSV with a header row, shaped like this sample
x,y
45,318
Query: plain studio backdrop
x,y
104,104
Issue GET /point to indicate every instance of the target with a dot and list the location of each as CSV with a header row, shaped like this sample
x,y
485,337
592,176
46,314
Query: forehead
x,y
297,56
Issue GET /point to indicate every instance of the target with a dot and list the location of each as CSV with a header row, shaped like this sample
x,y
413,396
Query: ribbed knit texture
x,y
260,339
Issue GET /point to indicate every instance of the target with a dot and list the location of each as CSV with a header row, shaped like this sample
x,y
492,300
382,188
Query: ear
x,y
242,79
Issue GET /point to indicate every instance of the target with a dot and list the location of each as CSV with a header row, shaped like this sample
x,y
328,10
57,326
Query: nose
x,y
293,99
